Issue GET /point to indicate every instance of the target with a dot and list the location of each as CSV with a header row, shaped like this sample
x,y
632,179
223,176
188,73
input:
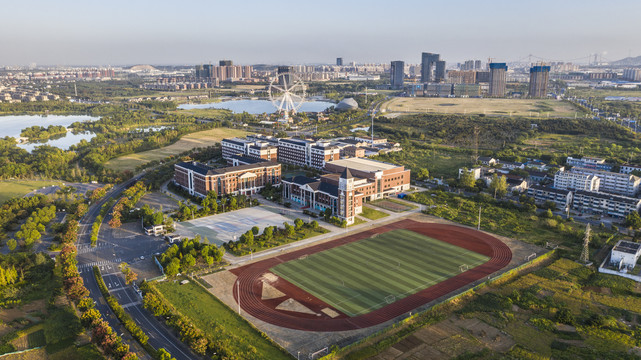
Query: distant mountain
x,y
629,61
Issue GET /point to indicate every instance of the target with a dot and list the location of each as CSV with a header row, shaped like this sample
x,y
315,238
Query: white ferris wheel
x,y
287,93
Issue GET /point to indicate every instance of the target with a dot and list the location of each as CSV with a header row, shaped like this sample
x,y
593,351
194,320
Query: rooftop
x,y
627,247
362,164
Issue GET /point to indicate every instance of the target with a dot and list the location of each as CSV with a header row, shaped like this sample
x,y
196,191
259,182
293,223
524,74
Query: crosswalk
x,y
98,263
86,248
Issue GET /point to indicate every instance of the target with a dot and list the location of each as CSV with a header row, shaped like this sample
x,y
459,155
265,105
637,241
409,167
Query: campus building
x,y
347,185
249,147
606,204
567,180
199,179
308,153
397,74
611,182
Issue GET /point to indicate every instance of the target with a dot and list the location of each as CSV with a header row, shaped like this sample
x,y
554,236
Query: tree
x,y
173,267
164,355
564,316
467,180
12,243
130,277
268,233
157,218
255,230
498,185
298,223
633,220
189,260
289,230
423,174
314,224
61,324
249,238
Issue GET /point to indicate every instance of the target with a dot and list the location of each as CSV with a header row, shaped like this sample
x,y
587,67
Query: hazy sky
x,y
118,32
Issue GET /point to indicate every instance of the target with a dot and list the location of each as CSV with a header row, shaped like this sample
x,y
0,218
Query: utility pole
x,y
478,227
238,294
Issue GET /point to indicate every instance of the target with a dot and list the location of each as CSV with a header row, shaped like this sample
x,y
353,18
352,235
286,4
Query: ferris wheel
x,y
287,93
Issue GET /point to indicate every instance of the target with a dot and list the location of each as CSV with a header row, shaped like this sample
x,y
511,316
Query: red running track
x,y
251,280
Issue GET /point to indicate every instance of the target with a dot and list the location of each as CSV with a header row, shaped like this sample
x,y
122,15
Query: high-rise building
x,y
286,78
208,71
397,72
225,63
199,71
539,76
428,61
339,61
439,71
477,64
497,79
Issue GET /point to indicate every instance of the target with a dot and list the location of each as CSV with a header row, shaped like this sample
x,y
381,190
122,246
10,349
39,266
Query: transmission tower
x,y
585,254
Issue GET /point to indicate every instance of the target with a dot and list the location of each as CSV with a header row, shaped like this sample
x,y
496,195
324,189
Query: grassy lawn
x,y
502,107
187,142
217,320
357,221
372,214
205,113
392,205
18,188
363,276
439,162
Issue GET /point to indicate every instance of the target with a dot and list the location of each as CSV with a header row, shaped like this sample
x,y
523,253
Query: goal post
x,y
463,267
390,299
302,257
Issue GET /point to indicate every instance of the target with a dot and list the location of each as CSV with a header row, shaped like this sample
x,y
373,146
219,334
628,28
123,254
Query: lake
x,y
256,106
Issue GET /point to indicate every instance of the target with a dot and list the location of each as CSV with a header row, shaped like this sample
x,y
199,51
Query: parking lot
x,y
221,228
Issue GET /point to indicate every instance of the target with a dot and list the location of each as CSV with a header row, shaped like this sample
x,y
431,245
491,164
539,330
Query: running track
x,y
250,278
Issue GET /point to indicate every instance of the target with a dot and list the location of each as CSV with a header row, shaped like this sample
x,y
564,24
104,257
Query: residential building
x,y
606,204
439,71
428,63
611,182
397,73
462,76
308,153
489,161
199,179
539,76
339,61
498,74
589,163
562,198
477,172
568,180
347,185
511,165
286,77
628,168
625,255
536,176
632,74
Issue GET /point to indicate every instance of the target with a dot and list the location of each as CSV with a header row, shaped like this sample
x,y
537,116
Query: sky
x,y
161,32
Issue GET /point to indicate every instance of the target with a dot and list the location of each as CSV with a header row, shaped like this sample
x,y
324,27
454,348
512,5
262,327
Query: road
x,y
104,256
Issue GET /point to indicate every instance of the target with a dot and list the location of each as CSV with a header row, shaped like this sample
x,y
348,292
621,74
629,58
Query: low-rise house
x,y
562,198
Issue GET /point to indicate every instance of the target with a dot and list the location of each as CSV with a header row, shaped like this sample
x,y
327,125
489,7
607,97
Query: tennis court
x,y
366,275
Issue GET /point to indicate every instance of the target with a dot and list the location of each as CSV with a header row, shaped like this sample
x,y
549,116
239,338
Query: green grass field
x,y
373,214
18,188
365,275
187,142
217,320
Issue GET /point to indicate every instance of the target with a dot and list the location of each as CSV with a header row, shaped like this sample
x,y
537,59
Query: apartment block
x,y
249,147
606,204
611,182
567,180
562,198
589,163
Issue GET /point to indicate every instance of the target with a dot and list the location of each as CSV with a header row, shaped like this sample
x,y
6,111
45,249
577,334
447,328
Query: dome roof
x,y
347,104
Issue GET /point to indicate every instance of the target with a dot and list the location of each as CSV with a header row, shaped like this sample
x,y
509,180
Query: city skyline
x,y
126,33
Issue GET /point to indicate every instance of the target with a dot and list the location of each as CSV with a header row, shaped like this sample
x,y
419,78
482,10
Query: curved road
x,y
160,336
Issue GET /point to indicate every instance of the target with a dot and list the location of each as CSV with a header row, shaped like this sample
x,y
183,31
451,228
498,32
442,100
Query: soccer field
x,y
366,275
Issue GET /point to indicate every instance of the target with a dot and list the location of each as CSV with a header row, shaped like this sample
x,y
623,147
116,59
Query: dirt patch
x,y
293,305
269,277
270,292
565,328
329,312
598,290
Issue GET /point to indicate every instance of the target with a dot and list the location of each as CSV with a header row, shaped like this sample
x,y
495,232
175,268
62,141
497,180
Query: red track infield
x,y
251,280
